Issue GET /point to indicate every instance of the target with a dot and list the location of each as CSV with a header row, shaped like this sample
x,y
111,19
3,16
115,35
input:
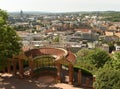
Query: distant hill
x,y
30,12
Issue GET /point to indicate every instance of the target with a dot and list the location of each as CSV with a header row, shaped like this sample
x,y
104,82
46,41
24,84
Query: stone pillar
x,y
14,67
79,77
59,69
71,70
94,76
9,66
31,66
21,70
3,70
87,82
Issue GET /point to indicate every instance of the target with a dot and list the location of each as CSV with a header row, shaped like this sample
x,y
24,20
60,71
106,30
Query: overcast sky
x,y
60,5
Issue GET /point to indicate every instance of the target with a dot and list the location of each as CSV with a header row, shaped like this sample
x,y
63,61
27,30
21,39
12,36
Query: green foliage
x,y
111,46
118,43
107,78
43,61
9,44
3,17
92,60
111,16
57,38
113,19
99,58
84,60
116,60
9,41
84,52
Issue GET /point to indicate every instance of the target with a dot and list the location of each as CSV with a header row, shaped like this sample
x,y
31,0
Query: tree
x,y
111,46
116,60
3,17
84,60
99,58
92,60
9,40
118,43
107,78
84,52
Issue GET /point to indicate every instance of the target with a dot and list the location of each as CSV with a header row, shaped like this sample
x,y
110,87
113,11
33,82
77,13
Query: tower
x,y
21,14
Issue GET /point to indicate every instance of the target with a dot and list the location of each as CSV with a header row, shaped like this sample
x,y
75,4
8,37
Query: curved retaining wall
x,y
55,52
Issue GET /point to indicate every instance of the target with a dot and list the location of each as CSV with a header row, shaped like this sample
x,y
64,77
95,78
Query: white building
x,y
117,48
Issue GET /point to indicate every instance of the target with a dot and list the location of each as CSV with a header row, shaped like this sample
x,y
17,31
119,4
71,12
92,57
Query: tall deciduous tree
x,y
9,40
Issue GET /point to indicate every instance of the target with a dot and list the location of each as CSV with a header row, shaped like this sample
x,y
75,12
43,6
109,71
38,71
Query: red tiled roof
x,y
118,34
107,33
83,30
49,30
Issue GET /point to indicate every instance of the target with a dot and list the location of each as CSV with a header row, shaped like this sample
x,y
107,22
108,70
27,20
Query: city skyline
x,y
60,5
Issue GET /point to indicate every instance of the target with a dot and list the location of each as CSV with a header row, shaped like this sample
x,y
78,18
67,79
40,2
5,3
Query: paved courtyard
x,y
7,81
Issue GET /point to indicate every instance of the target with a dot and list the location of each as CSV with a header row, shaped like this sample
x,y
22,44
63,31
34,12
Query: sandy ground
x,y
7,81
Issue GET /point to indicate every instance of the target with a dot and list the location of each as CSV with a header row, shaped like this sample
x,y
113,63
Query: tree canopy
x,y
3,17
107,78
106,67
116,60
92,60
9,40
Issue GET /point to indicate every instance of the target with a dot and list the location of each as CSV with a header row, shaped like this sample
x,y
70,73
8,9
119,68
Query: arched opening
x,y
44,61
44,65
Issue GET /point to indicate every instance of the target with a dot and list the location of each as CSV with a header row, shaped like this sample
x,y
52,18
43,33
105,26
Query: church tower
x,y
21,14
